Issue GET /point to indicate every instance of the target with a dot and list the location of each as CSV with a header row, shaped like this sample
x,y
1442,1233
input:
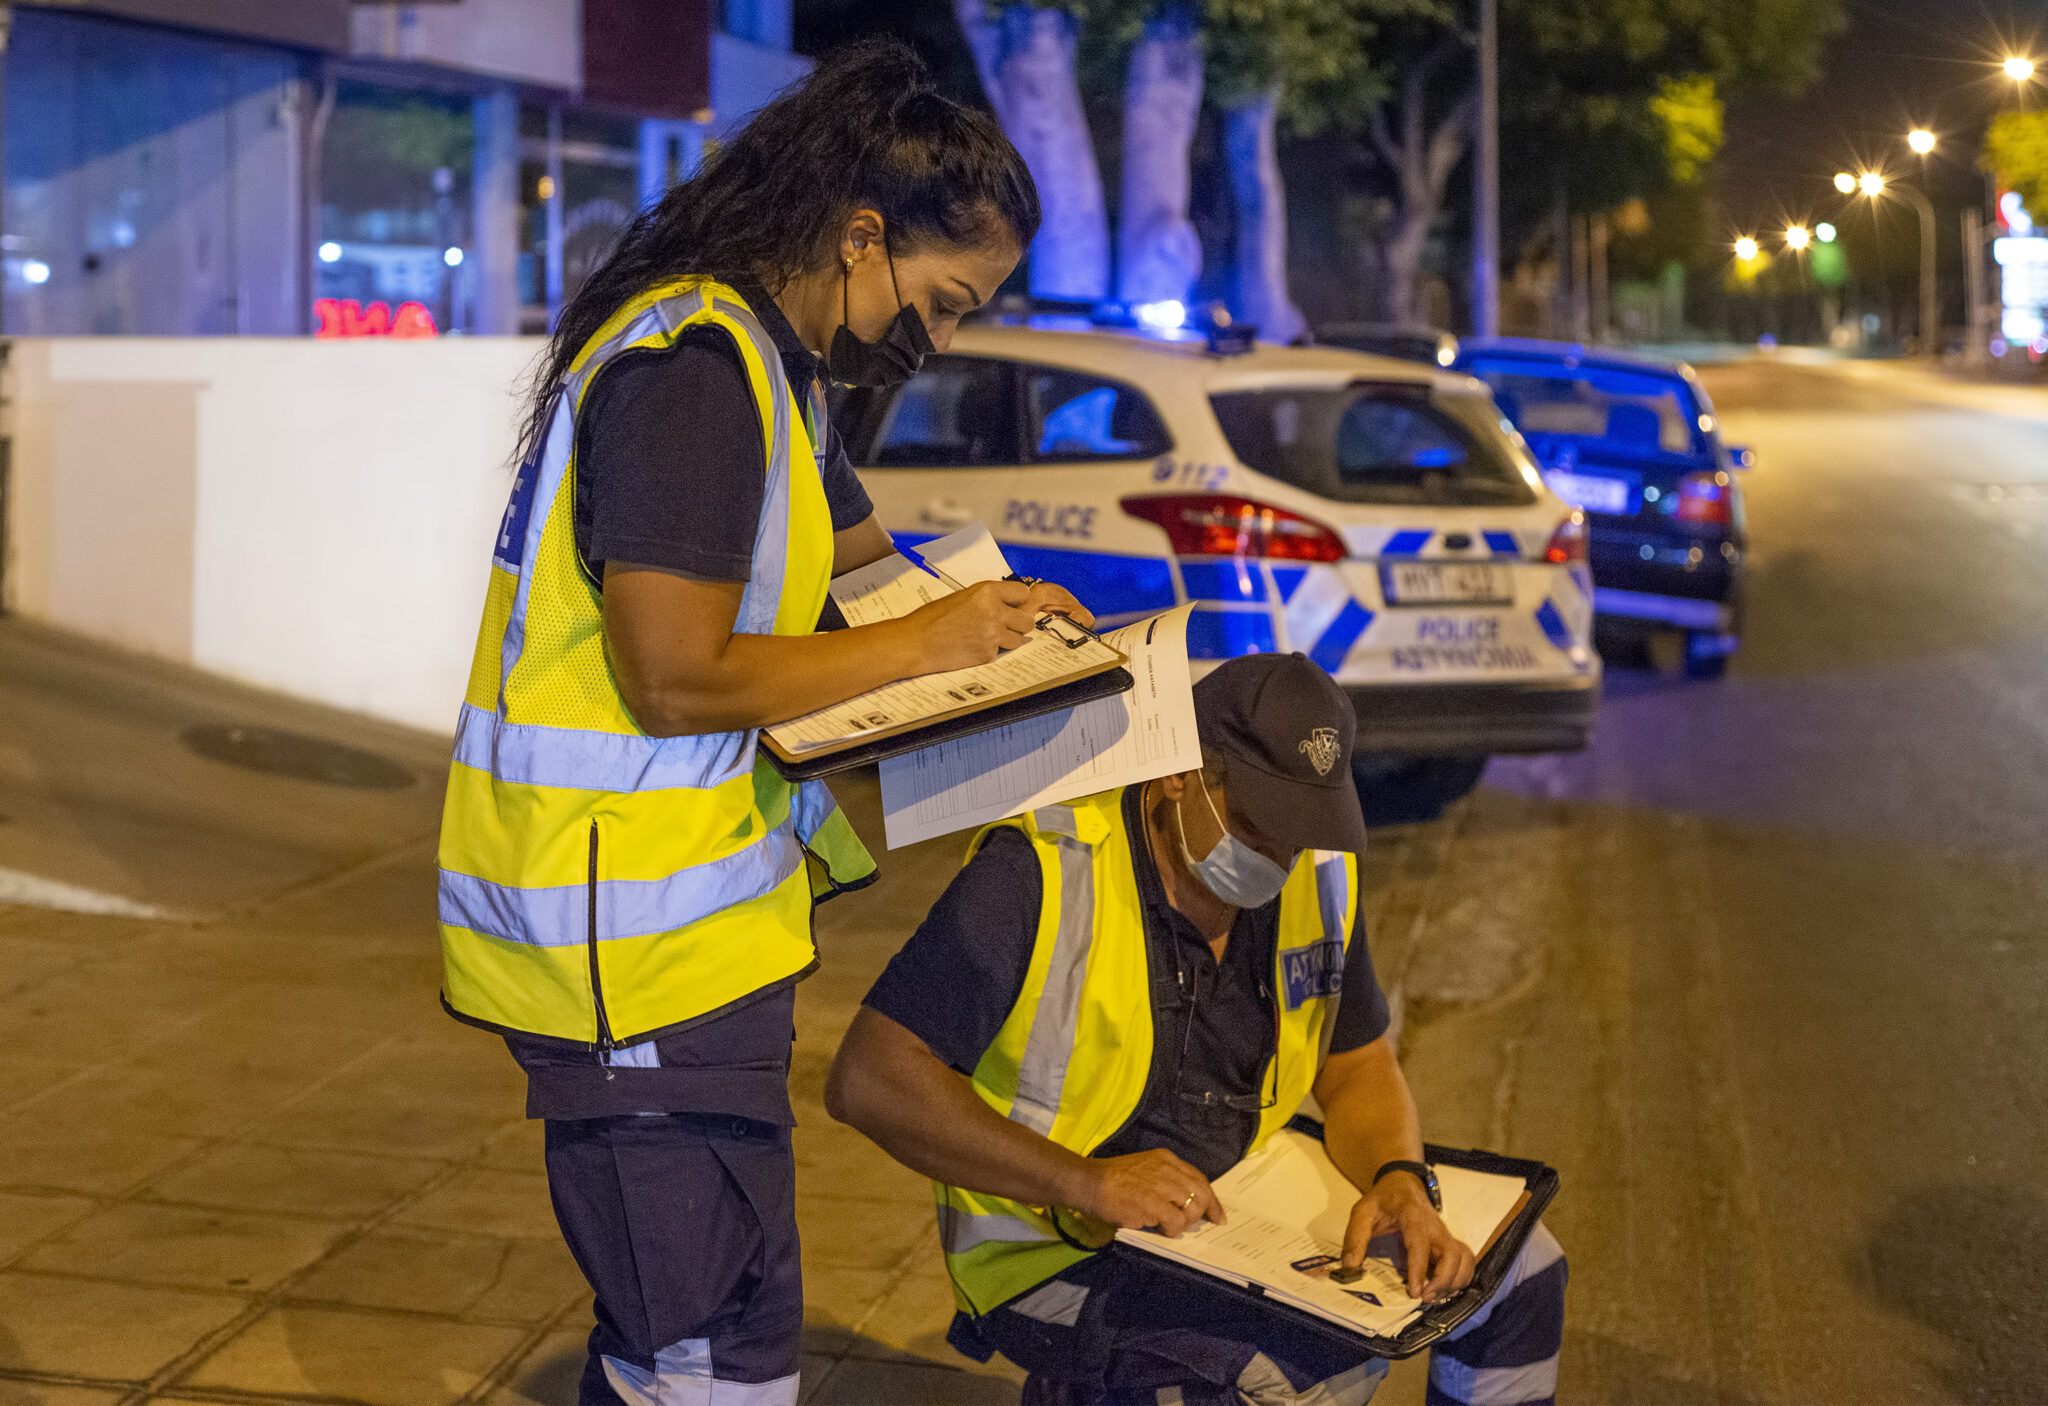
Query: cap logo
x,y
1321,749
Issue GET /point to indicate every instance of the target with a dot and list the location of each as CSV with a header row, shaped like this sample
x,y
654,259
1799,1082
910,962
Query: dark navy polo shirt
x,y
960,975
670,470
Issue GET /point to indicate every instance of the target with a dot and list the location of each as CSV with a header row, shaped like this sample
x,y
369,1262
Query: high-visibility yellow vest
x,y
598,884
1072,1059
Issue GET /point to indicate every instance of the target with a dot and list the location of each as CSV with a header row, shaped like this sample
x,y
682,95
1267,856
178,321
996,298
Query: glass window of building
x,y
395,175
151,181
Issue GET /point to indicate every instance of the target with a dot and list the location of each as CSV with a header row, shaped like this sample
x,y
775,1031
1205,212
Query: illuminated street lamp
x,y
1797,236
1920,140
1745,248
2019,68
1874,185
1824,232
1845,183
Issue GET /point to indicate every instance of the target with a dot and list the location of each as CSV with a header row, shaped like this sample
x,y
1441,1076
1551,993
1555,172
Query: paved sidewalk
x,y
243,1154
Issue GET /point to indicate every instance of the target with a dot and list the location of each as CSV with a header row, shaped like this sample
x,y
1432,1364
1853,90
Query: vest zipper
x,y
604,1027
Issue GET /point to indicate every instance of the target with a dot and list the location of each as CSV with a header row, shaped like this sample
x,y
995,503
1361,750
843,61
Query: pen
x,y
1045,616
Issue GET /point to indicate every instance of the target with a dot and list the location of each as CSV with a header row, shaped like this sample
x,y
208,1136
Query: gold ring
x,y
1189,1202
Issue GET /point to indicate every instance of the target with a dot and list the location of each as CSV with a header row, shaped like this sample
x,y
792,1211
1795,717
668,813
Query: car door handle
x,y
944,512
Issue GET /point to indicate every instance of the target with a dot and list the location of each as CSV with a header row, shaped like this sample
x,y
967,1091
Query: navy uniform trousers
x,y
670,1167
1111,1332
685,1226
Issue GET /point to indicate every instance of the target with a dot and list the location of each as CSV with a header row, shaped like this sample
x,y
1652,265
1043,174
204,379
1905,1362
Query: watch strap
x,y
1421,1172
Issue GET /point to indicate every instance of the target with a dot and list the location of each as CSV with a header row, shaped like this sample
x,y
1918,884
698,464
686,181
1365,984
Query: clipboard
x,y
1437,1321
810,766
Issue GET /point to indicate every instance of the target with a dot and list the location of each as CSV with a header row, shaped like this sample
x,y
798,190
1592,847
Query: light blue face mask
x,y
1233,871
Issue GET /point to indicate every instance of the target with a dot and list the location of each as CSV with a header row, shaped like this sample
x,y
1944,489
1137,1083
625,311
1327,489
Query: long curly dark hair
x,y
864,129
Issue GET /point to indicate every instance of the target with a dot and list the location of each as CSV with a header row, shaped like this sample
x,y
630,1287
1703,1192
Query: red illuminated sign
x,y
345,317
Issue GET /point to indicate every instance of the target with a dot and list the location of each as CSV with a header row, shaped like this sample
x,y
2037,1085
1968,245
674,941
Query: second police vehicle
x,y
1377,515
1635,442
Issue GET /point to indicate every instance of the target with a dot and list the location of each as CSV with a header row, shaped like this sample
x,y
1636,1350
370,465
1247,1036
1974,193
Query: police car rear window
x,y
1621,410
1386,443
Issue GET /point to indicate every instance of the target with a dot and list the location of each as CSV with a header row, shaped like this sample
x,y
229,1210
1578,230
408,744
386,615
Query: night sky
x,y
1900,64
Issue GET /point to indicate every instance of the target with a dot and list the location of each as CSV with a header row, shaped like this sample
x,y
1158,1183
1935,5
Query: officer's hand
x,y
1439,1264
1152,1188
1048,598
971,627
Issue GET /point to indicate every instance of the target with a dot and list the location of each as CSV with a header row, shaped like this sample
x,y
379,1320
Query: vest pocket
x,y
604,1025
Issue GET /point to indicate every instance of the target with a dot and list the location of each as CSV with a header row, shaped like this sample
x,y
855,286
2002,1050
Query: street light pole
x,y
1930,300
1486,178
1874,185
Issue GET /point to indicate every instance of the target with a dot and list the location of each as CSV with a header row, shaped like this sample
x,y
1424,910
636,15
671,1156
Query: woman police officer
x,y
626,886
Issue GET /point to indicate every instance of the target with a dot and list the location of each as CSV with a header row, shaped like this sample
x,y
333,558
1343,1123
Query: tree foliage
x,y
2016,150
1690,112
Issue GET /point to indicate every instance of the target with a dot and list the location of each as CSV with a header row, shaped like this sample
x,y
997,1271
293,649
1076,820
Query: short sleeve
x,y
844,492
958,978
1362,1015
670,465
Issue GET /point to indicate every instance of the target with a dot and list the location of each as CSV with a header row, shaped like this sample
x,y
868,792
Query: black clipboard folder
x,y
1067,695
1438,1321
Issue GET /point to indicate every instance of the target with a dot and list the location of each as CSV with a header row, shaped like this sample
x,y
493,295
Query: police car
x,y
1377,515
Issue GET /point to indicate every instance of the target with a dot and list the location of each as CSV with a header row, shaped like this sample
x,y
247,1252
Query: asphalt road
x,y
1764,971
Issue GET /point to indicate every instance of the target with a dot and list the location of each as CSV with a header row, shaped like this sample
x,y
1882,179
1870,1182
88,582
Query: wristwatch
x,y
1421,1172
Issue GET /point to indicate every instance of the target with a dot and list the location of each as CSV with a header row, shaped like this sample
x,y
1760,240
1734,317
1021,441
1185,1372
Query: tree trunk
x,y
1026,59
1249,147
1401,253
1421,159
1159,255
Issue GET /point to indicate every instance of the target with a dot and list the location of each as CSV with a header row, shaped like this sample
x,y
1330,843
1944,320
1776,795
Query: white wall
x,y
314,517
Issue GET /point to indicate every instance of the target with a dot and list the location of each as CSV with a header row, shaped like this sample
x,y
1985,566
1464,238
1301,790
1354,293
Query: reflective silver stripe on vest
x,y
559,915
529,754
558,450
1332,889
763,595
700,761
1051,1043
1057,820
960,1231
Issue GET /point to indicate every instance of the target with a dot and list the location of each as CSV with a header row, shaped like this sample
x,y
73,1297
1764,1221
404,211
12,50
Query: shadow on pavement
x,y
1596,1368
1967,1261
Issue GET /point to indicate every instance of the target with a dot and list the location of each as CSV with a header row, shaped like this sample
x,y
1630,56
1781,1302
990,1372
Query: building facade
x,y
339,168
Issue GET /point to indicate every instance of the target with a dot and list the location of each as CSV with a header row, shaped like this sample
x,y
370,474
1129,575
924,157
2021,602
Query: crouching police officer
x,y
626,886
1115,1000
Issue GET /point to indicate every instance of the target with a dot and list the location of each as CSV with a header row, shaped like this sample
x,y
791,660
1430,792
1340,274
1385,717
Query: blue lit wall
x,y
152,182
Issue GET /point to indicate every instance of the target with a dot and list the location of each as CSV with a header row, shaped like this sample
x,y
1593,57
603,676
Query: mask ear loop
x,y
894,286
1210,801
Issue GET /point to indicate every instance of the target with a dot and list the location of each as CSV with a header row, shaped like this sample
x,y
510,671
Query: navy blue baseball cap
x,y
1283,731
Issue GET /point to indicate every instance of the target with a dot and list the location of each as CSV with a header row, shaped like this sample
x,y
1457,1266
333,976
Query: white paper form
x,y
896,585
1287,1206
885,589
1135,736
1039,661
970,556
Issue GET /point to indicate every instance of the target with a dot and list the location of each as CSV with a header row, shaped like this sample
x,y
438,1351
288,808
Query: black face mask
x,y
889,362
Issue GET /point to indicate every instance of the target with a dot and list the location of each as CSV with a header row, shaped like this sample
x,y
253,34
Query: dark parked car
x,y
1634,441
1391,339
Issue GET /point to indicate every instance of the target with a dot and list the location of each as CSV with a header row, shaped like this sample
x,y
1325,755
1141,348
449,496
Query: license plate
x,y
1589,491
1446,583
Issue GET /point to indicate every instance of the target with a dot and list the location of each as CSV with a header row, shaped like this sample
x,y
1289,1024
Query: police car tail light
x,y
1215,525
1707,499
1568,544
